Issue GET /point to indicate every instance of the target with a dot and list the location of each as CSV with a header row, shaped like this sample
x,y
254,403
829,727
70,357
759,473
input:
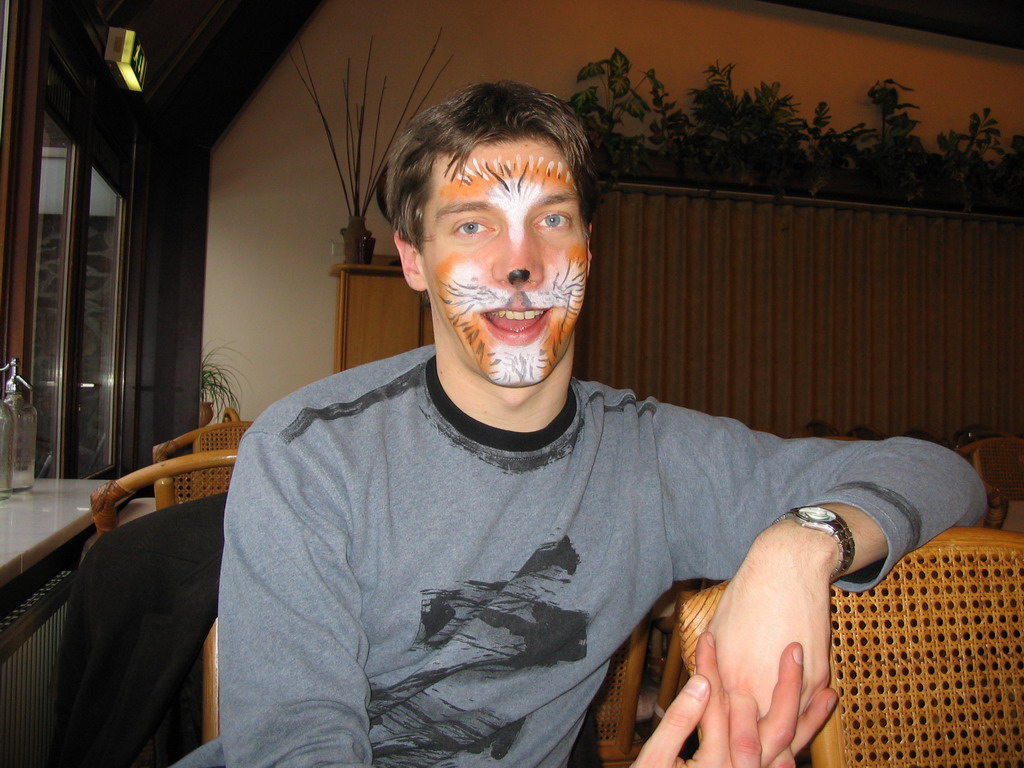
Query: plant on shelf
x,y
755,137
218,385
359,159
1008,178
759,138
963,155
828,149
605,108
894,156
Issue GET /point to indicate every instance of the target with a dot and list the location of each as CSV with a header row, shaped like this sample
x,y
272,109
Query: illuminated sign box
x,y
125,56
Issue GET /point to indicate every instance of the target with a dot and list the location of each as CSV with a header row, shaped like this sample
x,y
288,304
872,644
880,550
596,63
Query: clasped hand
x,y
732,734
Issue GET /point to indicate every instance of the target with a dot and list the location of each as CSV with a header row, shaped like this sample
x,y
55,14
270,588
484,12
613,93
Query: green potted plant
x,y
218,386
758,138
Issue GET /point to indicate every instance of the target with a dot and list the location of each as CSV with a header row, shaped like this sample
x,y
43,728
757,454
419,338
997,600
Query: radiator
x,y
29,639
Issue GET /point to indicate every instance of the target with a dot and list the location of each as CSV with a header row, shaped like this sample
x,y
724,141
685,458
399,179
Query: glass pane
x,y
97,361
49,320
5,11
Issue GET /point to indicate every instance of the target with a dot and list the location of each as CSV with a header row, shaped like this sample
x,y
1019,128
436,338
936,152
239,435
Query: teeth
x,y
528,314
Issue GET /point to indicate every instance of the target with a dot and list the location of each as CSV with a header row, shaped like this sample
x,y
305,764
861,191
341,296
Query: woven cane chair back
x,y
929,665
615,705
175,489
1000,462
213,437
182,478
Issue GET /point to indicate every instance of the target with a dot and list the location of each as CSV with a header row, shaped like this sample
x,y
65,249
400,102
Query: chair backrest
x,y
213,437
929,664
175,480
211,686
1000,462
615,705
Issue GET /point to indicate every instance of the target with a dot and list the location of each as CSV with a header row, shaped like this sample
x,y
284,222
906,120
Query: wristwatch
x,y
826,521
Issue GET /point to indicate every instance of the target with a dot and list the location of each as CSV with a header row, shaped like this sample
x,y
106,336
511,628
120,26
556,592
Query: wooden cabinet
x,y
378,315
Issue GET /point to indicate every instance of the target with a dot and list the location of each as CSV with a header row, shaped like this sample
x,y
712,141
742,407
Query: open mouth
x,y
516,321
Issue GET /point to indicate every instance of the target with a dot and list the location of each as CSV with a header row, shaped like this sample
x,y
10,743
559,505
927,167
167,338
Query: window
x,y
52,274
97,364
76,302
5,15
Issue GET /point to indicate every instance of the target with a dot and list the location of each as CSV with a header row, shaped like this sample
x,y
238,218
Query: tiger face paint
x,y
505,262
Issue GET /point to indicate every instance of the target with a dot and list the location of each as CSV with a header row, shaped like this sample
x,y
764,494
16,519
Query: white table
x,y
37,522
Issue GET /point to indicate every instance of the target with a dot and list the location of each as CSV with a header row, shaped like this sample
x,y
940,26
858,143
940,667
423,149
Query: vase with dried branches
x,y
360,158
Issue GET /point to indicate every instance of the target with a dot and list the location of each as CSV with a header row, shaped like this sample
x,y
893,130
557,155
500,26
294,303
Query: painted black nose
x,y
518,276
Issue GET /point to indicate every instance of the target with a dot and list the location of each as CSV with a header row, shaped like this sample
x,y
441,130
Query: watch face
x,y
816,514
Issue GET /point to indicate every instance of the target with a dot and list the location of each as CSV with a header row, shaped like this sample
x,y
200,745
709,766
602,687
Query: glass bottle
x,y
6,450
23,453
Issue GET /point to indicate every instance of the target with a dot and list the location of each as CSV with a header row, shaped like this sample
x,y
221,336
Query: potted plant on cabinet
x,y
218,386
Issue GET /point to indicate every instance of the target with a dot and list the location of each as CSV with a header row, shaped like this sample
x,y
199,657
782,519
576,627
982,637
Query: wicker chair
x,y
929,665
211,686
182,478
1000,462
618,742
212,437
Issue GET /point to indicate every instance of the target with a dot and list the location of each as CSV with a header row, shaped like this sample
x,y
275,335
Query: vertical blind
x,y
780,312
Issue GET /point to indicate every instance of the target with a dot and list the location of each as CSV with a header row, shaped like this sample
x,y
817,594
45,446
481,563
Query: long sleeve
x,y
912,489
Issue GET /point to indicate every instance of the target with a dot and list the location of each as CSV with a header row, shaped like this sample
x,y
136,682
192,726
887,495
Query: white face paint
x,y
520,187
514,364
507,211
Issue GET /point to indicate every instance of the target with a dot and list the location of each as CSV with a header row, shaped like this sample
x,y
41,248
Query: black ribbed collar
x,y
492,437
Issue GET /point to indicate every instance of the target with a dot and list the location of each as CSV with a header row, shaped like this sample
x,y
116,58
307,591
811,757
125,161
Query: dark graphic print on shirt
x,y
486,630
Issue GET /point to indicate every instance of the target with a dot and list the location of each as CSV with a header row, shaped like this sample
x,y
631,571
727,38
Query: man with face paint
x,y
430,559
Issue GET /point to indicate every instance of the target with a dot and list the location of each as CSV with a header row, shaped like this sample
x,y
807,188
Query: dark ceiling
x,y
1000,22
205,57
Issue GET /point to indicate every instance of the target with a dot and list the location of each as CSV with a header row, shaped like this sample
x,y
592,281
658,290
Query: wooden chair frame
x,y
211,686
105,499
1004,481
618,743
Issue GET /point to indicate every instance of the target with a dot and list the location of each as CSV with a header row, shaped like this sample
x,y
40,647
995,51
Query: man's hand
x,y
780,595
723,743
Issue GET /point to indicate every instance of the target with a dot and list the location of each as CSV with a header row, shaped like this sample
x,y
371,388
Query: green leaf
x,y
619,85
593,69
618,64
633,108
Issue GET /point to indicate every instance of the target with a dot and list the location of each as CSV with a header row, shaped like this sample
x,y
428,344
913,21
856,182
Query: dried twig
x,y
351,173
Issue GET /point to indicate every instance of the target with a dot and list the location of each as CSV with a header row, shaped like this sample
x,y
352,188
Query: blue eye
x,y
470,228
554,220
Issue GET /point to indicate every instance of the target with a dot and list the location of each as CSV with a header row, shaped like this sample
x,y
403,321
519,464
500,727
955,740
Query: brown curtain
x,y
781,312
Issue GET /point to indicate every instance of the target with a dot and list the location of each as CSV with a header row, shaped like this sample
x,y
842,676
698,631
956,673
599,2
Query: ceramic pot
x,y
352,235
205,413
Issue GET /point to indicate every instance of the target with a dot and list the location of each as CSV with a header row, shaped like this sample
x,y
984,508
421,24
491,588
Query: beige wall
x,y
275,200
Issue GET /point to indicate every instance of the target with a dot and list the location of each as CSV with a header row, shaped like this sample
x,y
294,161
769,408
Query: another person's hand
x,y
727,739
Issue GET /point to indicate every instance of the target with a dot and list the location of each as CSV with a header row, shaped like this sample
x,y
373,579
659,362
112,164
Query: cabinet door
x,y
379,315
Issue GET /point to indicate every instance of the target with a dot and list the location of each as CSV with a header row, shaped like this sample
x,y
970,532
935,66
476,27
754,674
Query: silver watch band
x,y
827,521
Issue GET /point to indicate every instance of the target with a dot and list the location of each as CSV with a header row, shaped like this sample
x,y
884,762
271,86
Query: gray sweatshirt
x,y
403,586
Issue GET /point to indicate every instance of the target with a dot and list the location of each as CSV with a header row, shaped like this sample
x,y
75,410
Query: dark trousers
x,y
142,603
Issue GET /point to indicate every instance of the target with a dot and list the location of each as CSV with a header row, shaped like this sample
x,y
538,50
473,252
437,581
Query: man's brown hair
x,y
484,113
